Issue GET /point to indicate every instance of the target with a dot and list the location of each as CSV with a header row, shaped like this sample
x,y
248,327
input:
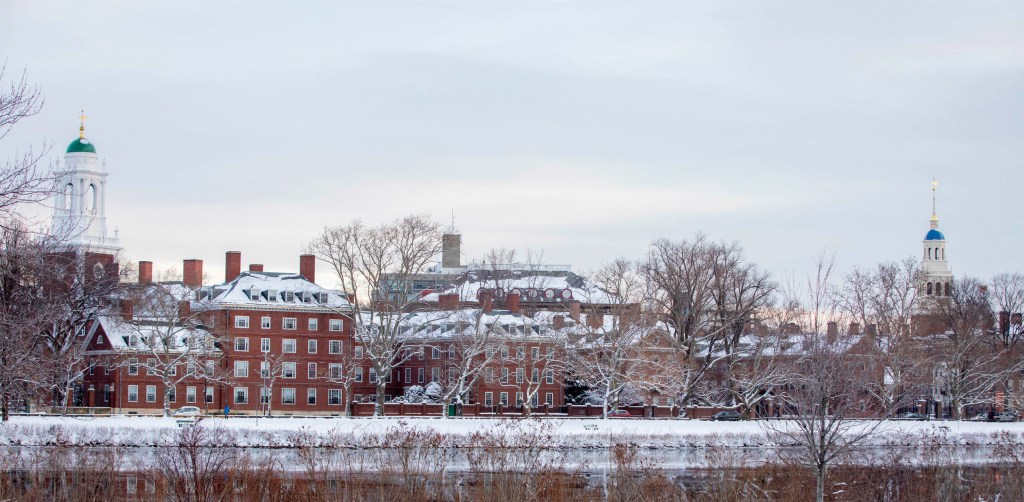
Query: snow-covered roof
x,y
271,290
146,336
532,286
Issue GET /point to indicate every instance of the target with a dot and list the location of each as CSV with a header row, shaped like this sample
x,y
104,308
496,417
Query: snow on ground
x,y
351,432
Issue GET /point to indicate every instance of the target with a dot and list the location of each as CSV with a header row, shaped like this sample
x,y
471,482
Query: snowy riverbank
x,y
352,433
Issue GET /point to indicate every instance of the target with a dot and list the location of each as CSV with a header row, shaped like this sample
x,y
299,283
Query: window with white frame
x,y
311,371
451,352
172,395
503,399
264,369
334,325
535,375
311,346
288,346
334,396
211,366
435,353
241,369
288,296
549,399
504,375
287,396
265,322
209,394
359,352
359,374
373,375
435,374
419,375
334,346
241,395
490,375
534,401
254,294
504,352
241,344
334,370
190,394
520,353
272,295
151,366
242,321
310,396
133,393
549,376
488,399
264,345
313,324
519,375
289,323
264,395
408,375
288,370
535,353
151,393
519,398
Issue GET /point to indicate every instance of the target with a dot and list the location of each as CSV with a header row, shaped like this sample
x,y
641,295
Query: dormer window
x,y
307,297
289,296
254,294
272,295
323,297
133,341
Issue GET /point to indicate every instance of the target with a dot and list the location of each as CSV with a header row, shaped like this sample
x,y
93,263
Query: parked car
x,y
980,417
618,414
910,415
188,411
730,416
1006,416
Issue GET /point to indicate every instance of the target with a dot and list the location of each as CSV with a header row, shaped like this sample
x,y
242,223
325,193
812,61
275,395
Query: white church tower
x,y
938,278
80,209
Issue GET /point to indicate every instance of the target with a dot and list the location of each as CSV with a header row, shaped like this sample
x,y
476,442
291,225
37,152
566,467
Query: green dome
x,y
80,145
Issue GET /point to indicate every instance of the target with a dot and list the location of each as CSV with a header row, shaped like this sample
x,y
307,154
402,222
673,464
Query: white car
x,y
188,411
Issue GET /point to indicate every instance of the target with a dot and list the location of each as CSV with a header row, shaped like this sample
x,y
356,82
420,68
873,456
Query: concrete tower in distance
x,y
451,247
938,278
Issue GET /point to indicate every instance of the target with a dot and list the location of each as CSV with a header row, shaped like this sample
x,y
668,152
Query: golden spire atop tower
x,y
81,128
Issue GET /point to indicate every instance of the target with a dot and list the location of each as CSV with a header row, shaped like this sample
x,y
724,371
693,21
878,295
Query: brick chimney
x,y
871,330
232,265
833,330
192,273
854,328
307,267
145,272
595,320
558,322
513,302
448,302
574,311
127,309
487,301
255,267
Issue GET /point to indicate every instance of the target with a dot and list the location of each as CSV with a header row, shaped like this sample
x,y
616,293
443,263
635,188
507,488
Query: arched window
x,y
929,288
929,253
938,289
90,200
948,291
69,191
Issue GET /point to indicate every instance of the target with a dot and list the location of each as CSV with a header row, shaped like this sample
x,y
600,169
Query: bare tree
x,y
23,179
472,345
707,293
884,300
824,389
379,266
172,340
967,365
272,367
527,361
1006,294
26,311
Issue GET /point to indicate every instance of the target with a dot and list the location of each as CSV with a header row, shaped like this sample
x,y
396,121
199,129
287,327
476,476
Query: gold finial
x,y
81,128
935,216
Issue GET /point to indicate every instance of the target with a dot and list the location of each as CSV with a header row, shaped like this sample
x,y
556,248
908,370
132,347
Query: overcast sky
x,y
585,129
